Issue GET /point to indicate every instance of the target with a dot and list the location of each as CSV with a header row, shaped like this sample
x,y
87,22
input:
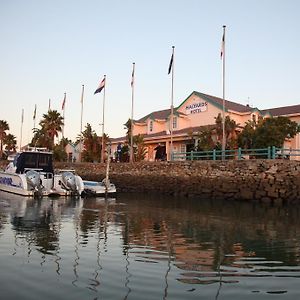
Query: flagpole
x,y
22,120
49,105
34,116
223,83
82,93
172,108
102,144
132,102
64,103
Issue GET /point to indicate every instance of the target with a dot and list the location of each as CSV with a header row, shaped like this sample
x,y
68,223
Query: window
x,y
254,118
151,126
174,122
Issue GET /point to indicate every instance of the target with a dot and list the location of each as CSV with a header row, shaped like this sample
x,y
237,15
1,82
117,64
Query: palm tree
x,y
40,138
10,142
3,127
52,123
230,130
92,144
140,149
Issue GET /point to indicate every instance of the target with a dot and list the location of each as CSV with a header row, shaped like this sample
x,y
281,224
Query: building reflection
x,y
205,241
202,236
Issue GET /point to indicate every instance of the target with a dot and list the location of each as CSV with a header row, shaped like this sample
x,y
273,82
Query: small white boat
x,y
31,174
95,188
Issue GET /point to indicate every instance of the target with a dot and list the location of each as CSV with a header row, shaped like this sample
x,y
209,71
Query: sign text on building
x,y
196,107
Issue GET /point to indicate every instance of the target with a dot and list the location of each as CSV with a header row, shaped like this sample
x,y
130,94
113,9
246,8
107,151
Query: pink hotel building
x,y
195,111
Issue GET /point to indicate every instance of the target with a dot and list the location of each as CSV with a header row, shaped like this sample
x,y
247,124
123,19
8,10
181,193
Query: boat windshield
x,y
34,160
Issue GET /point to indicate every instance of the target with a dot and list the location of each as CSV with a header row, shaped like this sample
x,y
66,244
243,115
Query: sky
x,y
49,48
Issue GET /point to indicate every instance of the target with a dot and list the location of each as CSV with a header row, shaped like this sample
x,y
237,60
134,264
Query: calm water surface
x,y
147,247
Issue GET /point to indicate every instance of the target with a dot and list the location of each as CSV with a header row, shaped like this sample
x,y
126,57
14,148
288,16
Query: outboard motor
x,y
34,181
69,181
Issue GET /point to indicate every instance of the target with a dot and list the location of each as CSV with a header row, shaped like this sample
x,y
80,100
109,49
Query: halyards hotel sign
x,y
196,107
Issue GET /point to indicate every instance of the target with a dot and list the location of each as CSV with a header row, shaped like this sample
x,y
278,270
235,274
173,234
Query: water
x,y
147,247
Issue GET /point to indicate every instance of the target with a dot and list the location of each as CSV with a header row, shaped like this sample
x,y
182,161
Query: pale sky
x,y
52,47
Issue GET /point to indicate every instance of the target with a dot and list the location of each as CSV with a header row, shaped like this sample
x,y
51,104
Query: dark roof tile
x,y
283,111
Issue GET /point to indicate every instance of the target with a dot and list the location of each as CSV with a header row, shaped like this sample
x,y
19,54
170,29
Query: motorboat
x,y
96,188
31,173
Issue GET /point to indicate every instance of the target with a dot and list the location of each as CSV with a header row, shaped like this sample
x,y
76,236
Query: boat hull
x,y
98,188
51,186
15,183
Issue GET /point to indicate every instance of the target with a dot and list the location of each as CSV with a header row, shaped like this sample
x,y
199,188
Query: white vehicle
x,y
31,174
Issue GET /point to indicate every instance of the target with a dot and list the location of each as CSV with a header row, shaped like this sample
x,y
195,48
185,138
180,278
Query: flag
x,y
101,86
63,103
132,76
223,45
171,64
34,112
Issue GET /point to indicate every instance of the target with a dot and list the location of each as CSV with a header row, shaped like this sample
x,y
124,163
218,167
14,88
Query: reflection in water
x,y
162,248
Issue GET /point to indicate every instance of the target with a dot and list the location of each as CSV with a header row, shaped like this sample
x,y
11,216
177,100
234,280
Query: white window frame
x,y
174,122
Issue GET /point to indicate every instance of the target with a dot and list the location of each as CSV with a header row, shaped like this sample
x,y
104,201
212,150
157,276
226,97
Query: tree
x,y
52,124
230,131
10,142
92,144
128,127
59,153
205,140
274,131
40,138
210,137
267,132
3,128
140,150
246,138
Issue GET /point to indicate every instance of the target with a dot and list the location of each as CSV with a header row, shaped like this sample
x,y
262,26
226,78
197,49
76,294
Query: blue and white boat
x,y
31,174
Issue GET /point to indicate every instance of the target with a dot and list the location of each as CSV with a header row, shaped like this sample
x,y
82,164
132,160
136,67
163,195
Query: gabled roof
x,y
229,105
283,111
159,115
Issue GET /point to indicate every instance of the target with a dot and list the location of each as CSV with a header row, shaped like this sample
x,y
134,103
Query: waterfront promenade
x,y
270,181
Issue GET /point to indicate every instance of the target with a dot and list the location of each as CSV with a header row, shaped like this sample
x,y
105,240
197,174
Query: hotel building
x,y
199,110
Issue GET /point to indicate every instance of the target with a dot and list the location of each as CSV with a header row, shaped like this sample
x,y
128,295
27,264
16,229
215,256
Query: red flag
x,y
101,86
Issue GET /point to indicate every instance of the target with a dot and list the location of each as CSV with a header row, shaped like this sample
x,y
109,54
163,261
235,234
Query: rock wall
x,y
264,180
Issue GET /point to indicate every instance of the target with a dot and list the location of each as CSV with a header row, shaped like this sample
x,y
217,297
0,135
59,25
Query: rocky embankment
x,y
264,180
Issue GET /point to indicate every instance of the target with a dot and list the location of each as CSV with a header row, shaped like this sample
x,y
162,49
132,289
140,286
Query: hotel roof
x,y
283,111
229,105
219,102
159,115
